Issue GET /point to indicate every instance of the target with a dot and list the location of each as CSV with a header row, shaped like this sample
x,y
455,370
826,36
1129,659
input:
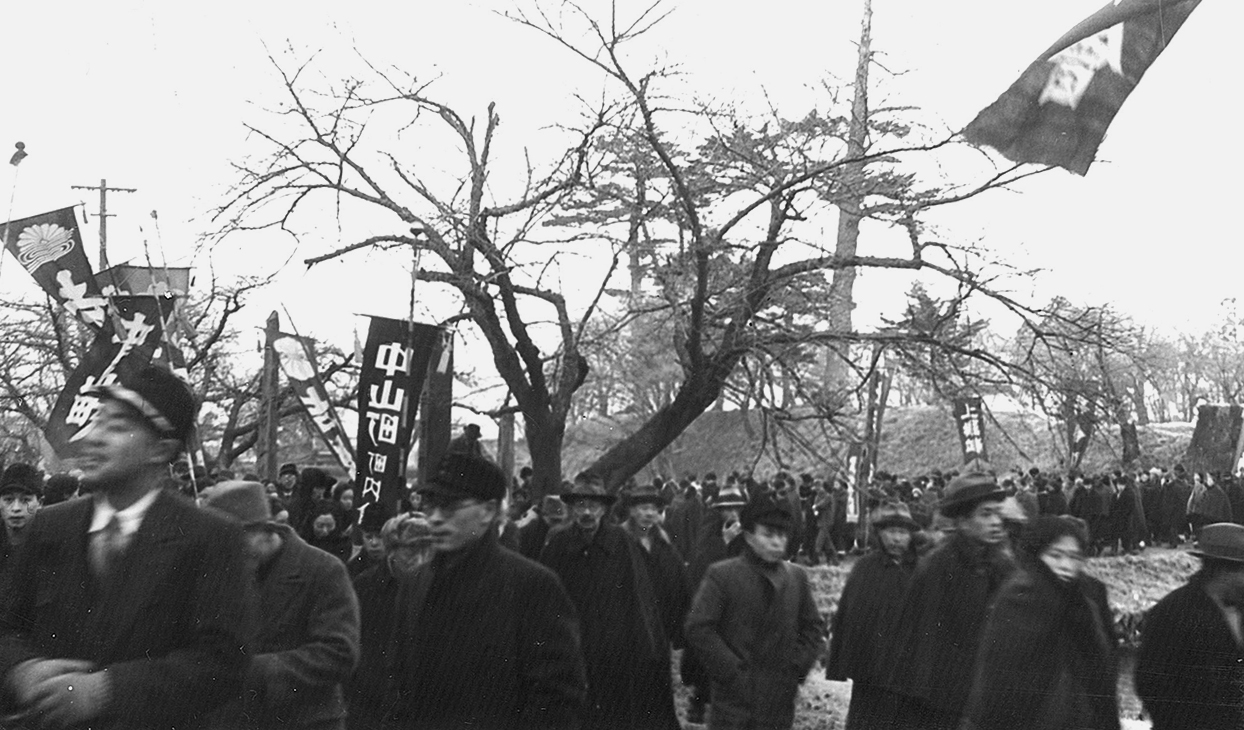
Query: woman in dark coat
x,y
1047,653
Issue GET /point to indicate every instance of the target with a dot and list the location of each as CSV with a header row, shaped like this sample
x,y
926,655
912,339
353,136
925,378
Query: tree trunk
x,y
544,443
842,286
630,455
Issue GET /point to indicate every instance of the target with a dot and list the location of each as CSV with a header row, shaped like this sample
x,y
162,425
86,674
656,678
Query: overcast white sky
x,y
152,95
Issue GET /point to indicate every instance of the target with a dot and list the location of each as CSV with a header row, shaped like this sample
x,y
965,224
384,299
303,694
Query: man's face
x,y
983,524
645,515
118,446
587,514
769,543
287,482
17,508
457,523
373,545
895,540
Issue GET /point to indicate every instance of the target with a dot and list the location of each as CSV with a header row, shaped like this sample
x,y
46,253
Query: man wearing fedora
x,y
721,537
130,609
936,640
867,617
1190,669
755,626
21,494
625,646
308,640
483,637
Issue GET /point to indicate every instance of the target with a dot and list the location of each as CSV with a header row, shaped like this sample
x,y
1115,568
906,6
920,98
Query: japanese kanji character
x,y
391,357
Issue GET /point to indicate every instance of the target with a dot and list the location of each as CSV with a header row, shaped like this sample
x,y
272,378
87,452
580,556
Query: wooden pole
x,y
270,391
505,444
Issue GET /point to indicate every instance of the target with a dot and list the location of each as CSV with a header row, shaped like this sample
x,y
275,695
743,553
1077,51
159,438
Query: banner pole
x,y
15,161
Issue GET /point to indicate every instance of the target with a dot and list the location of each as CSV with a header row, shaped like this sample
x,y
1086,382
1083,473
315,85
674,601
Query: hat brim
x,y
957,504
1216,556
605,499
657,500
728,505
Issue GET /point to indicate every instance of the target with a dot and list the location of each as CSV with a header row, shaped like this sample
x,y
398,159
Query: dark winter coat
x,y
867,615
171,630
1175,504
625,647
307,645
756,628
1190,669
360,564
668,574
938,634
531,538
1047,657
1052,503
860,636
683,522
486,639
1235,495
376,589
1127,516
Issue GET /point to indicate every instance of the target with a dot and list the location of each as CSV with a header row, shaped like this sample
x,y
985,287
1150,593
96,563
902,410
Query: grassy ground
x,y
1134,583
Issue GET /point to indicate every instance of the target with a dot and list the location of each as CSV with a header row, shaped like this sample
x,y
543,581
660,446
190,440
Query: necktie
x,y
107,546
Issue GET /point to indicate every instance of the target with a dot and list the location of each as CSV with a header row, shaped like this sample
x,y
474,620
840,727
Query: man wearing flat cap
x,y
625,646
867,617
754,625
308,639
130,609
935,643
1190,670
484,637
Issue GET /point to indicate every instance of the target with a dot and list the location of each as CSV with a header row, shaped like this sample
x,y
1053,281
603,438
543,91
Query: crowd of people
x,y
125,604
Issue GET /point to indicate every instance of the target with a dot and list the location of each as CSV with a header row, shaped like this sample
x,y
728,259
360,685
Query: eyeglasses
x,y
431,501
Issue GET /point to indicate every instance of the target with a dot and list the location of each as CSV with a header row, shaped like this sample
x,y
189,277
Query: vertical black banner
x,y
395,363
970,421
130,338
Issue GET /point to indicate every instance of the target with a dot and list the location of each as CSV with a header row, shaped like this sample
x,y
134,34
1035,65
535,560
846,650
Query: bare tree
x,y
707,205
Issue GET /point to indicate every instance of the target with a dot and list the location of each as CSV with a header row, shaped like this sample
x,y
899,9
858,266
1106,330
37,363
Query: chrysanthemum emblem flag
x,y
1058,111
49,246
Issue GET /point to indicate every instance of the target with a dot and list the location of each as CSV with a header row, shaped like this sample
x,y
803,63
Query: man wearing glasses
x,y
484,637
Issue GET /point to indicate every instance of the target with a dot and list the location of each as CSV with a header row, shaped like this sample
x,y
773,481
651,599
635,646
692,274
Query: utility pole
x,y
103,215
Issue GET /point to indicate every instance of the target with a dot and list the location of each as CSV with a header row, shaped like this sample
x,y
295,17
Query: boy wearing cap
x,y
484,637
128,610
1190,670
754,625
21,489
936,641
867,616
